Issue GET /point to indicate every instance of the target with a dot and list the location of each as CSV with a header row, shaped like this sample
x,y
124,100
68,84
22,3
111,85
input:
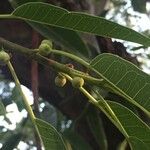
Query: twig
x,y
33,54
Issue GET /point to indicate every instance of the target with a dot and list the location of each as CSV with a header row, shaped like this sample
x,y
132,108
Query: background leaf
x,y
126,77
17,98
50,137
136,129
67,38
55,16
12,141
139,5
2,108
96,126
76,141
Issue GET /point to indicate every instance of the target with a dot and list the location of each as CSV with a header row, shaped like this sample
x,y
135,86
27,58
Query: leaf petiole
x,y
103,106
5,16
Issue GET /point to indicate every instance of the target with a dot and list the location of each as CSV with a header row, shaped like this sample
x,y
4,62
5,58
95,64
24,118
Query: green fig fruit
x,y
45,48
77,82
60,81
47,42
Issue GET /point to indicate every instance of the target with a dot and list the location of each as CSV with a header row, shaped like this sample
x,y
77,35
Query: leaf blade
x,y
74,140
62,36
50,137
55,16
134,146
131,122
128,79
97,128
2,108
12,141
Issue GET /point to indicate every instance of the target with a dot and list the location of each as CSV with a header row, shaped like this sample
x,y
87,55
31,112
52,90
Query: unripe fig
x,y
45,49
60,81
47,42
77,82
4,58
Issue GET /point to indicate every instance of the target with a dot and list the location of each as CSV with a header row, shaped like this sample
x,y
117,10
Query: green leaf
x,y
59,35
137,144
17,98
123,145
3,112
74,139
139,5
138,132
50,137
125,78
96,126
67,38
12,141
2,108
51,15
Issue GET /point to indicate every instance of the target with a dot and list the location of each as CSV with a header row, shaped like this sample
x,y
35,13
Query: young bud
x,y
77,82
4,58
44,49
47,42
